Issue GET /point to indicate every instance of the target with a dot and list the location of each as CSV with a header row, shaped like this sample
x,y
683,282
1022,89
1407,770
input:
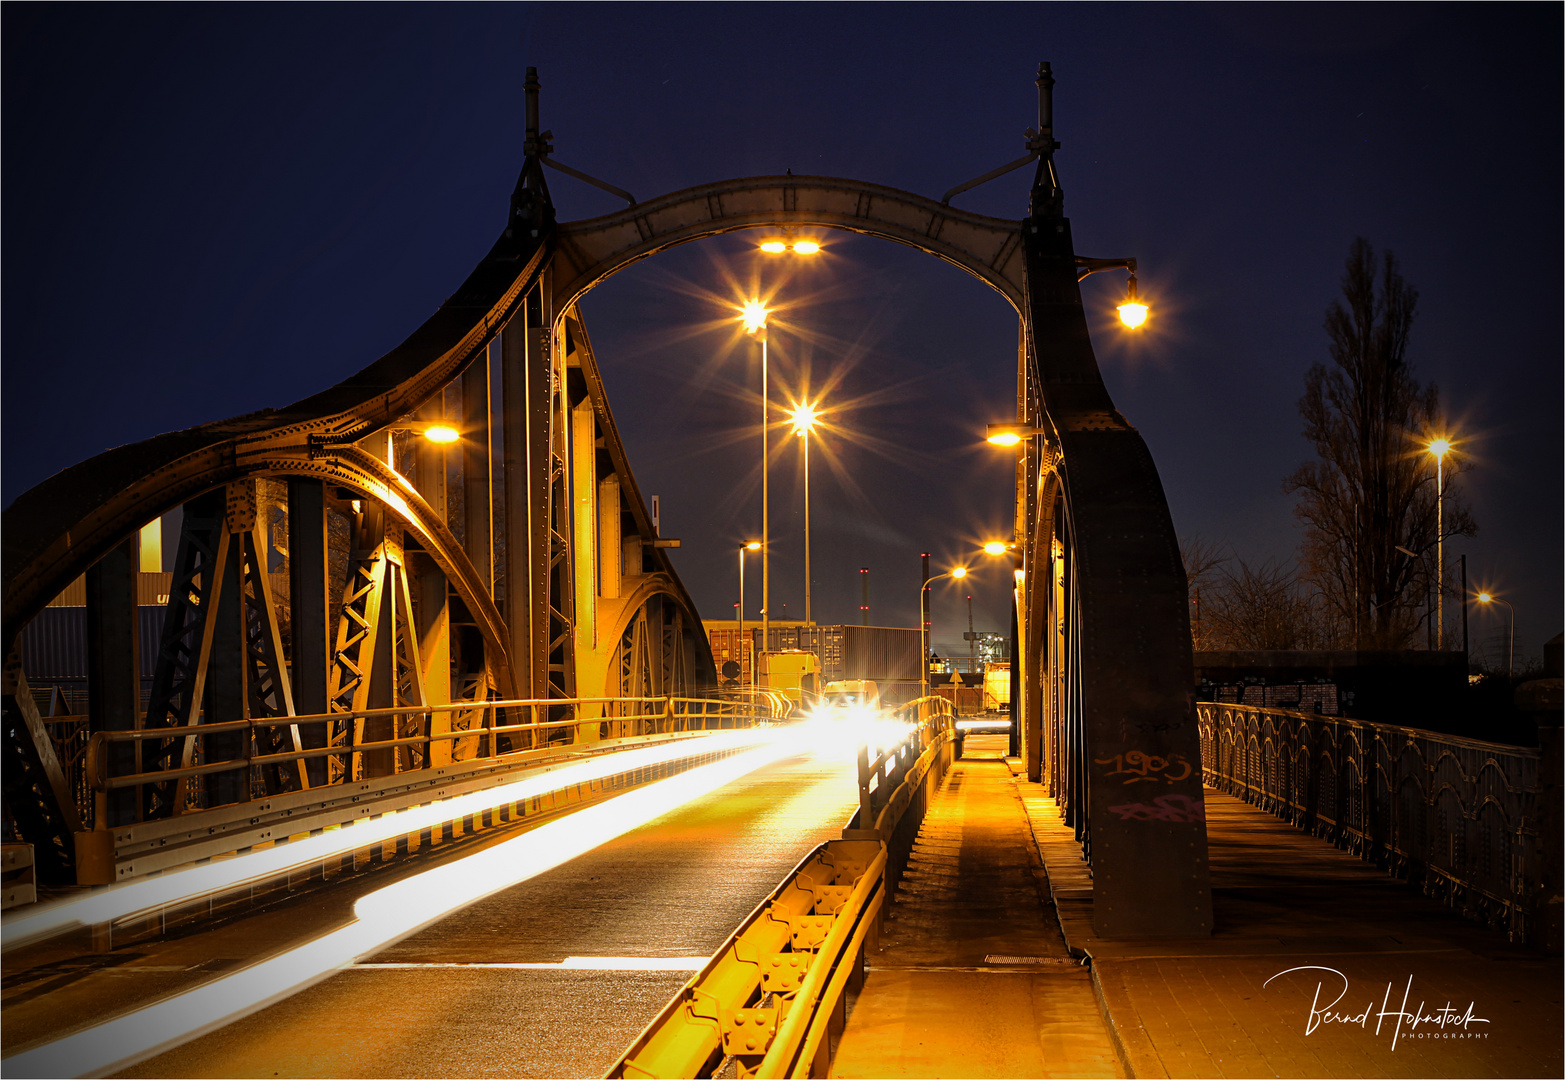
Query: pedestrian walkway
x,y
972,977
1297,921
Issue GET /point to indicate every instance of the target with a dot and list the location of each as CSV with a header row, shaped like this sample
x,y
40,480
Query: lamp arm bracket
x,y
594,181
988,176
1085,266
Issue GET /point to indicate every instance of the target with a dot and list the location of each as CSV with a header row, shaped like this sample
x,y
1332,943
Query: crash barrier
x,y
487,745
894,788
1457,816
766,1000
770,1001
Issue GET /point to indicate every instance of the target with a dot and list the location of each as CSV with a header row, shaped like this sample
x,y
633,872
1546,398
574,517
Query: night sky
x,y
213,209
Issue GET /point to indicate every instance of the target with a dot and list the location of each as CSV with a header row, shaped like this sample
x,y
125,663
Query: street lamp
x,y
993,547
1132,313
779,245
753,545
754,315
956,573
1510,654
804,418
1439,448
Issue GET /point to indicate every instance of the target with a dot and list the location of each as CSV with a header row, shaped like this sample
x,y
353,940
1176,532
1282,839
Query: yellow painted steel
x,y
775,962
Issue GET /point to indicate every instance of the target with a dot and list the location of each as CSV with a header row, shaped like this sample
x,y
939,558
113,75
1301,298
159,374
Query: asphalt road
x,y
433,1006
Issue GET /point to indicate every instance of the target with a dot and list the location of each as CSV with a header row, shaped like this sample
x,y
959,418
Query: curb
x,y
1132,1045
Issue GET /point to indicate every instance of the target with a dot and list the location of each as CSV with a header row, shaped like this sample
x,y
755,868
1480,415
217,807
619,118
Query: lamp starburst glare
x,y
754,315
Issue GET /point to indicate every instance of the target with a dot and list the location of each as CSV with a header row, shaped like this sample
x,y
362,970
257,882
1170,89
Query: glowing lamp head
x,y
1004,438
806,247
1440,447
753,315
1485,598
804,419
994,547
959,572
753,545
774,247
1132,314
440,433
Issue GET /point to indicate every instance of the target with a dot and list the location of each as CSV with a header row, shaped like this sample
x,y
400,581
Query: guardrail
x,y
1456,816
488,747
770,1000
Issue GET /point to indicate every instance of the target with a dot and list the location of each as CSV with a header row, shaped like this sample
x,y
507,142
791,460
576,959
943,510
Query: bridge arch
x,y
591,250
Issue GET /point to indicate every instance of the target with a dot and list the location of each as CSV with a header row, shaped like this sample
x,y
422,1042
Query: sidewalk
x,y
972,977
1283,899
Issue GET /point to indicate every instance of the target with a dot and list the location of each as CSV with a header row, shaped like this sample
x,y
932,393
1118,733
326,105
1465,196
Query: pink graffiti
x,y
1163,808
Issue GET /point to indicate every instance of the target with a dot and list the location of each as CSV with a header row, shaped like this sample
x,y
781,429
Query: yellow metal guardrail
x,y
756,1002
770,998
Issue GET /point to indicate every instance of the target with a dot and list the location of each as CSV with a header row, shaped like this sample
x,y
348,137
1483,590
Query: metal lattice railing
x,y
474,730
1456,816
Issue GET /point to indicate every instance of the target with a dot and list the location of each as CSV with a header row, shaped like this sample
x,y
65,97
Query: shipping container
x,y
997,686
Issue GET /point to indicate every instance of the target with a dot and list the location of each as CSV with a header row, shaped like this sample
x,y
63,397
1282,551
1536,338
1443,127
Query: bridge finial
x,y
531,207
1048,200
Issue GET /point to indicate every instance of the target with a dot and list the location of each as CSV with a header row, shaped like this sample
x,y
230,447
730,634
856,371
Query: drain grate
x,y
997,959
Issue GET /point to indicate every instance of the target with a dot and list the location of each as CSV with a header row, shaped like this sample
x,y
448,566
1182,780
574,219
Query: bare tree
x,y
1371,490
1201,559
1265,607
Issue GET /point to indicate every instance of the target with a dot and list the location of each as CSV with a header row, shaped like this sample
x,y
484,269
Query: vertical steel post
x,y
310,611
434,610
863,596
227,696
513,396
114,666
477,459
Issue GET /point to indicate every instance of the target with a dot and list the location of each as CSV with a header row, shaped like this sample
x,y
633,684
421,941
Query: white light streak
x,y
382,918
182,886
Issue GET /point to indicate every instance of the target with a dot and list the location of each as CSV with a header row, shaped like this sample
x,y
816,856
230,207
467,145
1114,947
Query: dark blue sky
x,y
211,209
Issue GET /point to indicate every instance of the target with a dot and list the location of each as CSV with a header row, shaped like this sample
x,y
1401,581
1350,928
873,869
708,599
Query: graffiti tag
x,y
1139,766
1163,808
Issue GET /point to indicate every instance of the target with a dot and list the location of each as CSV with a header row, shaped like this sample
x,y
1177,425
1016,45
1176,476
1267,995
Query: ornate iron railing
x,y
1455,816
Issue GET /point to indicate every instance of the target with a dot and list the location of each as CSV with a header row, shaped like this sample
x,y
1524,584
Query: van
x,y
844,696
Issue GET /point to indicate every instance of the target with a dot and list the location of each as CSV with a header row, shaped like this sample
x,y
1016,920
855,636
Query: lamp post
x,y
993,547
956,573
754,315
1439,448
753,545
804,418
1510,653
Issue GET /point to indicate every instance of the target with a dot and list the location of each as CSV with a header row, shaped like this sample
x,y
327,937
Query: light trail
x,y
196,882
382,918
570,963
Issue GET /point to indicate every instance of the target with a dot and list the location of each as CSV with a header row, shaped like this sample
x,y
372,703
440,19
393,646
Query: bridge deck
x,y
1284,899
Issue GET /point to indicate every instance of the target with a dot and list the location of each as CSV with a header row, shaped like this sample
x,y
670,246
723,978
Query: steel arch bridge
x,y
524,564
